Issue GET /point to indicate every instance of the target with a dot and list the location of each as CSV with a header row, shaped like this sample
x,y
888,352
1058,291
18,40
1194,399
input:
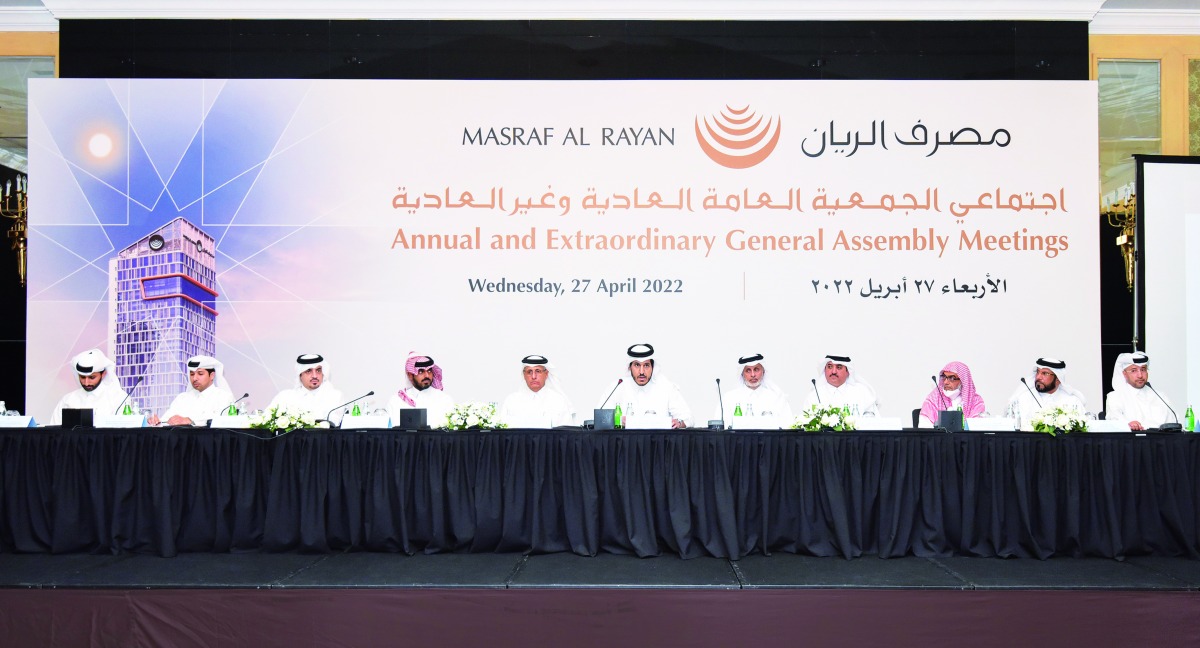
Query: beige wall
x,y
1173,54
30,44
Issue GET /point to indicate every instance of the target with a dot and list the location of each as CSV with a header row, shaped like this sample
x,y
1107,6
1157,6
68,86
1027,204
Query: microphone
x,y
244,397
129,393
352,400
1035,398
719,425
937,387
816,391
1166,427
614,390
721,400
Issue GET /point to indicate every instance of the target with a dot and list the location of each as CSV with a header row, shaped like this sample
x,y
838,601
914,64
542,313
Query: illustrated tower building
x,y
161,299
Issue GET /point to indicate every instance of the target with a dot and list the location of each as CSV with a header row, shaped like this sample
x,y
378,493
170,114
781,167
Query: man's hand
x,y
179,420
1136,426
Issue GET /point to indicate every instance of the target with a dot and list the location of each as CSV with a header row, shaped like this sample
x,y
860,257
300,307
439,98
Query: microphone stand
x,y
614,390
719,425
330,412
128,394
1167,427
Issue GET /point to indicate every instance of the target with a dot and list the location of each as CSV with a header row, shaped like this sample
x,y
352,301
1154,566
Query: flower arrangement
x,y
474,416
817,418
1052,420
282,419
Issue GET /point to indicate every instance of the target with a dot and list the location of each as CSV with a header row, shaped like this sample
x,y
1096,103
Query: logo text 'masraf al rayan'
x,y
570,136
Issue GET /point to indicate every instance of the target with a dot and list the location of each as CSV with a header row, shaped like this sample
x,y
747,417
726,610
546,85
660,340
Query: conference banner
x,y
903,223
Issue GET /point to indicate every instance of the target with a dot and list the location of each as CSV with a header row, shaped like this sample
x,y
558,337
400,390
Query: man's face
x,y
836,374
422,379
1045,381
201,378
950,381
752,375
1136,376
91,381
535,377
312,378
641,371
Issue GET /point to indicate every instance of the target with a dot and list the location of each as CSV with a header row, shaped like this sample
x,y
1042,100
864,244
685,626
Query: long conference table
x,y
693,492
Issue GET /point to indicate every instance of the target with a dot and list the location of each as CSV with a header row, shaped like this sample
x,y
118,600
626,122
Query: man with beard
x,y
761,402
424,390
955,389
1133,399
314,392
838,385
649,392
542,402
99,389
205,399
1049,390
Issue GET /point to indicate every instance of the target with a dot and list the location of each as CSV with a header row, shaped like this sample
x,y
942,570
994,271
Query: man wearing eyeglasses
x,y
542,403
955,389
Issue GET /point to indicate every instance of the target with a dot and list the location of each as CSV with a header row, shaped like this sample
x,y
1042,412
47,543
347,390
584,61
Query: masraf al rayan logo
x,y
737,138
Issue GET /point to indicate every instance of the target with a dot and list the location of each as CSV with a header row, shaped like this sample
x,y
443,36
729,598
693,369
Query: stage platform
x,y
495,599
566,570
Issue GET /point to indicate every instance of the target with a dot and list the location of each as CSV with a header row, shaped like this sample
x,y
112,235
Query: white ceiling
x,y
1104,17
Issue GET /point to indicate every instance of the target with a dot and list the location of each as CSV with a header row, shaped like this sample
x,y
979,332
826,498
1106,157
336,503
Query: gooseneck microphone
x,y
353,400
816,391
1169,427
1035,398
129,393
244,397
614,390
721,402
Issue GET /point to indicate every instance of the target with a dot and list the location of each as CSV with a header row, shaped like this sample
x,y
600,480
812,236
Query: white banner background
x,y
299,183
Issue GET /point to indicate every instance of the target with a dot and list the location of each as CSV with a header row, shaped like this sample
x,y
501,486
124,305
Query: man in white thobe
x,y
838,385
1133,399
206,397
314,392
1049,390
99,388
649,392
425,390
542,403
758,403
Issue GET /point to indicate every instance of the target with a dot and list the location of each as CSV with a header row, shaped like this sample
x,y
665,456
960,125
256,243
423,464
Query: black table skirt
x,y
164,491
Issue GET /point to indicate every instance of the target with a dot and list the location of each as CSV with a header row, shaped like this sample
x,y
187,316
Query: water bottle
x,y
232,411
1189,420
128,409
737,409
617,416
964,418
357,411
